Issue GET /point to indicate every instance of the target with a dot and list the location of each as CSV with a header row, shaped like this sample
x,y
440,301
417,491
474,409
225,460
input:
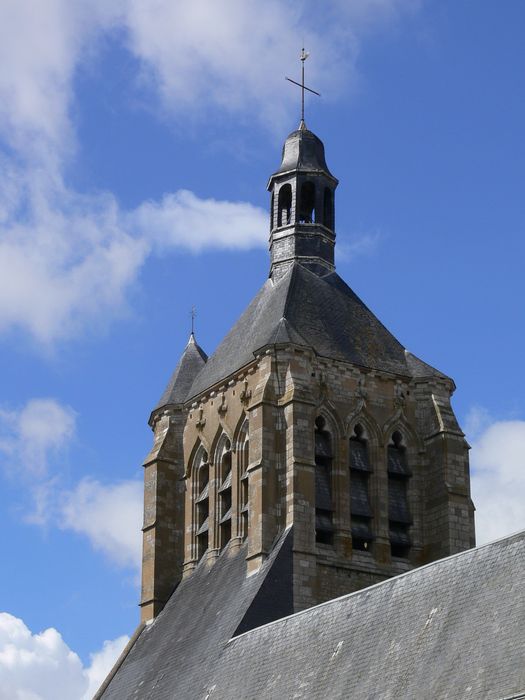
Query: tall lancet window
x,y
360,510
201,486
224,464
398,511
324,530
284,205
243,456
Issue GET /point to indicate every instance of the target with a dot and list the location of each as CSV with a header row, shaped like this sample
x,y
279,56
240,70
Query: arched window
x,y
244,460
284,214
328,208
224,464
307,203
271,211
323,484
398,511
201,471
360,510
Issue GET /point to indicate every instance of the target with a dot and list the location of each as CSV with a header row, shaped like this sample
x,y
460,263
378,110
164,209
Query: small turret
x,y
302,216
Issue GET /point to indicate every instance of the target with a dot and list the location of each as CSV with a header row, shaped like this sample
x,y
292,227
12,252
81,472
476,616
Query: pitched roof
x,y
451,629
191,362
321,312
173,656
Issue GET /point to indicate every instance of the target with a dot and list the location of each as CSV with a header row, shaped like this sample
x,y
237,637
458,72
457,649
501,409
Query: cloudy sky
x,y
136,139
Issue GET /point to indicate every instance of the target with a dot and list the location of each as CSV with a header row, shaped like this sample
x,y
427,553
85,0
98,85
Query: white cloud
x,y
109,515
40,46
42,666
497,462
233,55
101,664
68,260
30,436
182,220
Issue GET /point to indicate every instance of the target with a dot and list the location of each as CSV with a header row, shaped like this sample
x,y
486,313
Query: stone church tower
x,y
309,419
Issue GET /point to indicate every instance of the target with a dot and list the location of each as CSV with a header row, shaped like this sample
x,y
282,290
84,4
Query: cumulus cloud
x,y
232,55
42,667
31,435
67,259
497,462
109,515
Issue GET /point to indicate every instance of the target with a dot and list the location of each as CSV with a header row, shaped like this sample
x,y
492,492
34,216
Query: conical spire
x,y
191,362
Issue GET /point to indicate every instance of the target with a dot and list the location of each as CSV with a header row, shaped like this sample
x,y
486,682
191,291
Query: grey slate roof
x,y
173,656
303,150
191,362
320,312
453,629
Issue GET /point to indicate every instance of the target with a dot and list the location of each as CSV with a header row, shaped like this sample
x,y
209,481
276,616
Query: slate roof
x,y
320,312
191,362
174,655
303,150
453,629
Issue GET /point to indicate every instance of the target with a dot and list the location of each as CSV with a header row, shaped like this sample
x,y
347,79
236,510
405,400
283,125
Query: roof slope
x,y
320,312
175,655
191,362
450,630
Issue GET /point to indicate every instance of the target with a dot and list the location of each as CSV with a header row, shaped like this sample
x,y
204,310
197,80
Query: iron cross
x,y
304,55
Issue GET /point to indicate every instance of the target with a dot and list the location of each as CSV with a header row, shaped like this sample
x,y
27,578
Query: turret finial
x,y
303,56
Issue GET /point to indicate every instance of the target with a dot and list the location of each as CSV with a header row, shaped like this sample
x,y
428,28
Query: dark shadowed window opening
x,y
202,502
328,208
271,211
225,495
307,203
244,458
398,511
284,214
360,510
324,530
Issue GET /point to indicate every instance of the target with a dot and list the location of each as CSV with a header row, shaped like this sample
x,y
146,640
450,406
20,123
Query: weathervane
x,y
304,55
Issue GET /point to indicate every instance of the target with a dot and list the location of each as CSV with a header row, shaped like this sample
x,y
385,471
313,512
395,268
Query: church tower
x,y
310,423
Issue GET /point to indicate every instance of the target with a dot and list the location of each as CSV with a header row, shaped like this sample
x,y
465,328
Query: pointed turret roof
x,y
190,364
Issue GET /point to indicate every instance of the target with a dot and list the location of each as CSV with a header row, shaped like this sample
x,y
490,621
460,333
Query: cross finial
x,y
304,55
193,314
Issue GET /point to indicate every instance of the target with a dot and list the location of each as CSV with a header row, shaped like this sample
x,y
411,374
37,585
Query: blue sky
x,y
136,139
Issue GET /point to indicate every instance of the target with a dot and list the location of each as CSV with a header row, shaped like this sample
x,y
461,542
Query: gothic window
x,y
202,500
399,518
284,215
307,203
244,460
360,510
323,484
224,464
328,208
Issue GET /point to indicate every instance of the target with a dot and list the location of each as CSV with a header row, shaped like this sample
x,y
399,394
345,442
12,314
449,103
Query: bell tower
x,y
302,215
310,425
